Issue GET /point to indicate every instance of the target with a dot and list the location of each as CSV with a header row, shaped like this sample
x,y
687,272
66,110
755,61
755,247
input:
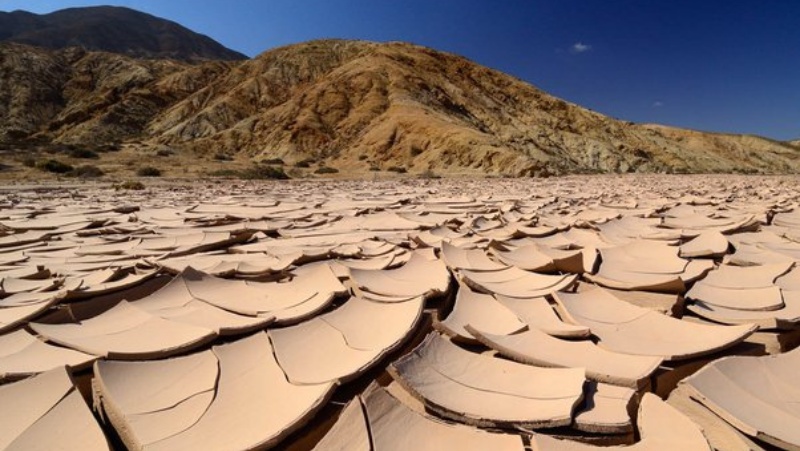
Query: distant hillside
x,y
361,104
112,29
351,105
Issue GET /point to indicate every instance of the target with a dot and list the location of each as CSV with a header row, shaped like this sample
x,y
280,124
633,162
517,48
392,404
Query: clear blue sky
x,y
730,66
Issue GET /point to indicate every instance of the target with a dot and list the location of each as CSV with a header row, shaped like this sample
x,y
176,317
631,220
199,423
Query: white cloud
x,y
658,104
580,47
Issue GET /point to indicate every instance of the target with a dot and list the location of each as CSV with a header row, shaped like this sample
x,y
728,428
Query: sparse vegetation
x,y
87,171
83,153
326,170
256,172
263,172
114,147
229,173
274,161
429,174
54,166
129,185
148,171
305,163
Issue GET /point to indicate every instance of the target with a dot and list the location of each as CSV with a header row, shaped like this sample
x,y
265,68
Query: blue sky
x,y
728,66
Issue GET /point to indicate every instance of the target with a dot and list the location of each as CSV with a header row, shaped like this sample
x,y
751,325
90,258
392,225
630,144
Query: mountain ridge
x,y
355,106
405,105
112,29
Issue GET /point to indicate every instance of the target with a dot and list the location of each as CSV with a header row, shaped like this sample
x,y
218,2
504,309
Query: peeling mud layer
x,y
547,314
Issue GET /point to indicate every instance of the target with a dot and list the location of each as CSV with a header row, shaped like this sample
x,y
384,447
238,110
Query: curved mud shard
x,y
481,390
234,396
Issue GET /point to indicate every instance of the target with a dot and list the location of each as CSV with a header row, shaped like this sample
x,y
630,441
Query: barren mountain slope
x,y
358,104
74,96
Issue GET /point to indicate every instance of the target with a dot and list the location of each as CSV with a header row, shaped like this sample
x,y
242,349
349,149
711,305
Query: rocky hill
x,y
112,29
356,106
360,103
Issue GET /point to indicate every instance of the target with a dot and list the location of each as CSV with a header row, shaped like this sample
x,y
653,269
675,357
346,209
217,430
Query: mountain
x,y
112,29
352,105
404,105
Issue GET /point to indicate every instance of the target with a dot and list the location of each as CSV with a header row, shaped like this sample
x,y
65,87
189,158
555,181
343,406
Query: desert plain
x,y
564,313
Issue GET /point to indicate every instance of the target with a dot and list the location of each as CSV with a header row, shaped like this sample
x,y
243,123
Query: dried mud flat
x,y
659,312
